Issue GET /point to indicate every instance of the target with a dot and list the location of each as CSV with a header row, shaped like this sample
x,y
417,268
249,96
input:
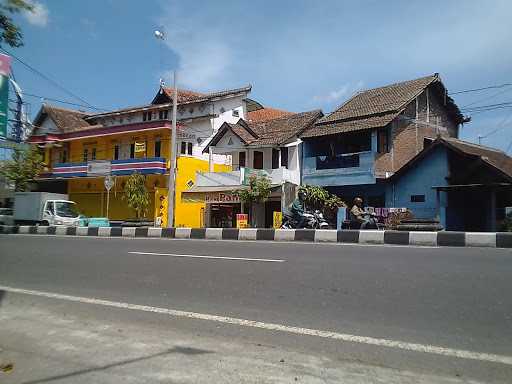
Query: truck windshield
x,y
66,209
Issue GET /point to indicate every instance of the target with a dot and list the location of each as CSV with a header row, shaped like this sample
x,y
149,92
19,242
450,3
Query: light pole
x,y
171,182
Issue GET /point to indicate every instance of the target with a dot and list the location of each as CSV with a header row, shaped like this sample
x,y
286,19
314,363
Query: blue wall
x,y
431,171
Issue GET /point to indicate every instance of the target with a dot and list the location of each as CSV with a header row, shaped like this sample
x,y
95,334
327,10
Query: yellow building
x,y
80,148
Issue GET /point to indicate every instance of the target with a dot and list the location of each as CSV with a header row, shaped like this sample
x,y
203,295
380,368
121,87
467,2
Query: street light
x,y
171,182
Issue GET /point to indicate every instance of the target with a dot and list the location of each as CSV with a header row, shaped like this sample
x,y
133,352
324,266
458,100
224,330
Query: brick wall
x,y
408,137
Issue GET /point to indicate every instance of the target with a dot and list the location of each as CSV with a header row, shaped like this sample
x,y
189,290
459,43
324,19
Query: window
x,y
93,154
241,159
116,152
162,115
235,113
158,148
64,156
85,155
275,158
383,140
183,150
284,157
146,116
189,146
417,198
132,150
258,160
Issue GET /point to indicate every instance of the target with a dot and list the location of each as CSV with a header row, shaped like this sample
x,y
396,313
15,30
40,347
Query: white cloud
x,y
336,95
205,56
39,14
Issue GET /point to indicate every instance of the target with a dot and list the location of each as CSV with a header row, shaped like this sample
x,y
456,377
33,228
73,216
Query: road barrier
x,y
443,238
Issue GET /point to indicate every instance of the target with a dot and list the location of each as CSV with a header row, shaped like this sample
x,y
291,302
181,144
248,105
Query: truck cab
x,y
60,212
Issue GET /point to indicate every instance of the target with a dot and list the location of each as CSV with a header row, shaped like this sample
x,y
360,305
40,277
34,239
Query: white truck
x,y
44,208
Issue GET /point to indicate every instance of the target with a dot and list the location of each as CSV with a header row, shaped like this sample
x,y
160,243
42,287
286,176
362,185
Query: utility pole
x,y
171,186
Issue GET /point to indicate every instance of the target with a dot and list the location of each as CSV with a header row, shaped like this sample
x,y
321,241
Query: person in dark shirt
x,y
297,209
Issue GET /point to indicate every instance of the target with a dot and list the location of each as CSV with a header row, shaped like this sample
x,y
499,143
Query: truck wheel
x,y
44,223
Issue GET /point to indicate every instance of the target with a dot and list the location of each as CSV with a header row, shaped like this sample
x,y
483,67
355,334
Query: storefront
x,y
222,206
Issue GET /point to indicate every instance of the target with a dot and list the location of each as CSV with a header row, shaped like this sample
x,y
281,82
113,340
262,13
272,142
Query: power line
x,y
48,79
481,89
488,98
63,102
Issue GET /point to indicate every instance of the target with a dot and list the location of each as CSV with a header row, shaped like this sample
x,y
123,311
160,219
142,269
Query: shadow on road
x,y
177,349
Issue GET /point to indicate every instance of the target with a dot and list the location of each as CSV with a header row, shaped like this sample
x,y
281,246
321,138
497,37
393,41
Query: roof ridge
x,y
53,106
468,143
435,75
291,115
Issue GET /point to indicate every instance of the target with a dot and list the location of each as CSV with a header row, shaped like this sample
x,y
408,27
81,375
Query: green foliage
x,y
25,165
319,198
257,192
136,194
10,33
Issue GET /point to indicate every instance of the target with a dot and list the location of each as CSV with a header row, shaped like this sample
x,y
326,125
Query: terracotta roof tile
x,y
266,114
377,107
66,120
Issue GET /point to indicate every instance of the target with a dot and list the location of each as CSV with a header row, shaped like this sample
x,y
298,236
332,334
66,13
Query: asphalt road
x,y
456,298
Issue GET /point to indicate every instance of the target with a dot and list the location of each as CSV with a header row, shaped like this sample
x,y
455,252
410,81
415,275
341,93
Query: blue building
x,y
467,186
355,150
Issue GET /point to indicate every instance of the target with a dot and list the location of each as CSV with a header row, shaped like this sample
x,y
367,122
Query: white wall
x,y
47,126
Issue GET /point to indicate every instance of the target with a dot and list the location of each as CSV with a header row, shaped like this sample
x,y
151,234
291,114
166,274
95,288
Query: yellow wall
x,y
191,214
91,196
105,145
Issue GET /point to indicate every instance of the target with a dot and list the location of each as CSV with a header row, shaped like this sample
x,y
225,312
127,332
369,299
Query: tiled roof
x,y
494,157
271,132
366,122
377,107
266,114
278,131
183,94
66,120
498,159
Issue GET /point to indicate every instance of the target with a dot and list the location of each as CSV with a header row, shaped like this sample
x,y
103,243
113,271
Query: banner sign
x,y
221,197
99,167
5,68
278,219
140,147
242,220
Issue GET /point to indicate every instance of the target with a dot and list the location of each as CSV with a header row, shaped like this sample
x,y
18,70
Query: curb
x,y
442,239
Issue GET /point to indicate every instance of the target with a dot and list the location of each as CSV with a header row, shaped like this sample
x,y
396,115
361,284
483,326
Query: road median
x,y
372,237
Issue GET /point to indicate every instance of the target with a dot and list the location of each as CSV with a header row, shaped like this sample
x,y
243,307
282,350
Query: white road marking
x,y
209,257
425,348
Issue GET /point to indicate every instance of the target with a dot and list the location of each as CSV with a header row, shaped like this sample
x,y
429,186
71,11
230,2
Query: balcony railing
x,y
343,169
278,176
154,165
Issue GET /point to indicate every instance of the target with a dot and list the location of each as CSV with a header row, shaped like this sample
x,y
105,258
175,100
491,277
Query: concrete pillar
x,y
492,212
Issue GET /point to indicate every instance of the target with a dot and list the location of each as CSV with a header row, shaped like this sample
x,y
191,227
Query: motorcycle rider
x,y
359,216
297,210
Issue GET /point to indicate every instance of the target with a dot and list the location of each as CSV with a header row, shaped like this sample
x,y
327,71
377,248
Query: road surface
x,y
381,311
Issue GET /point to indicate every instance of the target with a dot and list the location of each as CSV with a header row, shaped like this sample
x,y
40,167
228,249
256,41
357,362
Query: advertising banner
x,y
242,220
5,69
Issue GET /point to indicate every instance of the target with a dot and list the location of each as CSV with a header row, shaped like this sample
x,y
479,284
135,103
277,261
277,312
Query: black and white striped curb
x,y
443,238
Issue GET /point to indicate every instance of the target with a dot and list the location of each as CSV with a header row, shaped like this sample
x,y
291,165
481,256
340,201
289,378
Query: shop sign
x,y
99,167
278,219
140,147
221,197
242,220
5,63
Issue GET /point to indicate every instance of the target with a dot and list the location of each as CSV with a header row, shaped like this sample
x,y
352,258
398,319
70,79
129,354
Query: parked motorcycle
x,y
312,220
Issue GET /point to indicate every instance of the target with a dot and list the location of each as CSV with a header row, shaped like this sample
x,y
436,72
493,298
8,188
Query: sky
x,y
298,55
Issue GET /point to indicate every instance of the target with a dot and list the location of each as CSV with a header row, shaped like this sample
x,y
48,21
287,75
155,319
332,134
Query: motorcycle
x,y
312,220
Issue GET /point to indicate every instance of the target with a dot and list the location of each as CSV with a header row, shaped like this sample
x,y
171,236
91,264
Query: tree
x,y
10,32
136,194
25,165
258,191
